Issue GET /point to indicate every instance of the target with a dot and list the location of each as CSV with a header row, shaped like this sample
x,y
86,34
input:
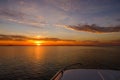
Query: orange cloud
x,y
24,40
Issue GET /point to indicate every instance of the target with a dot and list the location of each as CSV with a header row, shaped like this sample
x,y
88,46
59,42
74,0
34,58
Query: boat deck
x,y
88,74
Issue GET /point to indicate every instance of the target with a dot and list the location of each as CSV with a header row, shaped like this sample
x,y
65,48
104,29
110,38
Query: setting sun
x,y
38,43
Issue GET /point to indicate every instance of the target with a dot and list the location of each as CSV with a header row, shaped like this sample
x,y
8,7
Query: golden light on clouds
x,y
37,40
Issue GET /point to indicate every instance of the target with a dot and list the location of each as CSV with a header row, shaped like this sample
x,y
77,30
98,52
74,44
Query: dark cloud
x,y
94,28
7,13
118,19
23,38
115,41
49,39
54,40
13,37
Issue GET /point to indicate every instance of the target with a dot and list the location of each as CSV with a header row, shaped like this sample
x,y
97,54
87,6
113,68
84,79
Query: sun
x,y
38,43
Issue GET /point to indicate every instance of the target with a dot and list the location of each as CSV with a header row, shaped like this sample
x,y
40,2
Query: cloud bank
x,y
13,37
24,38
21,40
21,17
94,28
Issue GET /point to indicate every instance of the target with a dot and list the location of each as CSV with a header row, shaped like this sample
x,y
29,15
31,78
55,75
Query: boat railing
x,y
59,74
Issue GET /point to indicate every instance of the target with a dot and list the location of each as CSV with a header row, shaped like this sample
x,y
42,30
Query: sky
x,y
76,22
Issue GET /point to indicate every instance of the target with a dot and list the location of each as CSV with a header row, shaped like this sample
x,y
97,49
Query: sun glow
x,y
38,43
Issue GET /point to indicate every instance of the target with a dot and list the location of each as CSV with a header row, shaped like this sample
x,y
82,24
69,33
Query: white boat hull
x,y
89,74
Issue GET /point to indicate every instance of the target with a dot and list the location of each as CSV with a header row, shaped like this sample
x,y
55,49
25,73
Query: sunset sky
x,y
60,22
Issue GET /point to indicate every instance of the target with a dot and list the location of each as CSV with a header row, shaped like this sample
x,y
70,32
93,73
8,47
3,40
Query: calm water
x,y
42,62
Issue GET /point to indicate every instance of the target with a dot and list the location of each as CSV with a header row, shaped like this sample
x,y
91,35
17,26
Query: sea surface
x,y
42,62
